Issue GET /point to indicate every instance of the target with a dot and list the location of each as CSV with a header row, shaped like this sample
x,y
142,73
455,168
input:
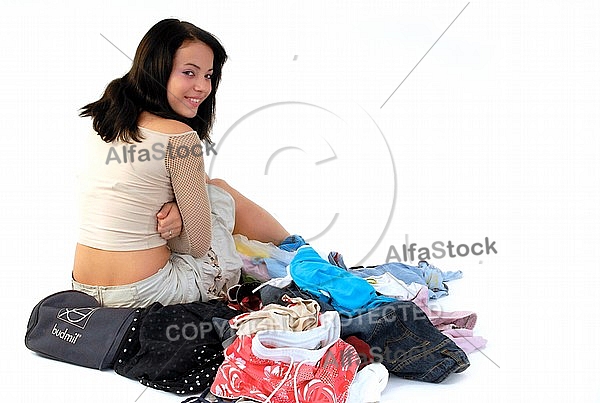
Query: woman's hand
x,y
169,221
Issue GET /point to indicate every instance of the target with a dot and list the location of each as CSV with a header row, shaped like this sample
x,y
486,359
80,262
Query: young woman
x,y
146,153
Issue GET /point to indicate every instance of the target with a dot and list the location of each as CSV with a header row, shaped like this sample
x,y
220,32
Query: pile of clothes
x,y
298,328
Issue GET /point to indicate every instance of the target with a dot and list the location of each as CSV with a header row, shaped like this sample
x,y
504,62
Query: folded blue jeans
x,y
403,339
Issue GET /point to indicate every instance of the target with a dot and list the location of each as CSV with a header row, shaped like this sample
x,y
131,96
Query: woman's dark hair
x,y
144,87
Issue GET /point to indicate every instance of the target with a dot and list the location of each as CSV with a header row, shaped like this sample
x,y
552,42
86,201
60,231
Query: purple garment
x,y
457,325
465,339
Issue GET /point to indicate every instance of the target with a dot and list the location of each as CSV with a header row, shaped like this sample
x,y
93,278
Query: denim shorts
x,y
184,278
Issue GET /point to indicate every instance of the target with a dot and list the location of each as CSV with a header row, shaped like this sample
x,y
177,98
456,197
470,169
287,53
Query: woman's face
x,y
189,83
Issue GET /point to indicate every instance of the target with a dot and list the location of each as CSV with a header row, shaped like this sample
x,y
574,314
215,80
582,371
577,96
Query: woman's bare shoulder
x,y
162,125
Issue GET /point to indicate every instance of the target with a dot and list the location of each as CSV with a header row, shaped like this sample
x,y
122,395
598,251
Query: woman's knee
x,y
220,183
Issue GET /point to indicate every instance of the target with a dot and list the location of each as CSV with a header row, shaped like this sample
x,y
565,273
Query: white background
x,y
493,134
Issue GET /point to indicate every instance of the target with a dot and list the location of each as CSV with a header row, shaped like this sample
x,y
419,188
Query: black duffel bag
x,y
71,326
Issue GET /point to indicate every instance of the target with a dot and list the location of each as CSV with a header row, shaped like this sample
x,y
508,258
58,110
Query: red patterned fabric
x,y
243,374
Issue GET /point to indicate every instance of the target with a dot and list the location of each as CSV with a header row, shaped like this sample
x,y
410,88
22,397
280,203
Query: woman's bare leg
x,y
252,220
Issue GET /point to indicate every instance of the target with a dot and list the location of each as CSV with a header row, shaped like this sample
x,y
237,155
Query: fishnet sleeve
x,y
185,165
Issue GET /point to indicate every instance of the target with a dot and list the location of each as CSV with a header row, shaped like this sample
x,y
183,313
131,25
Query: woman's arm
x,y
186,170
251,220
